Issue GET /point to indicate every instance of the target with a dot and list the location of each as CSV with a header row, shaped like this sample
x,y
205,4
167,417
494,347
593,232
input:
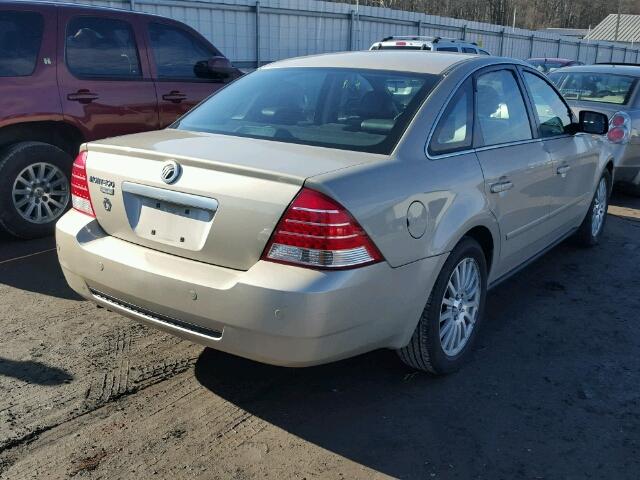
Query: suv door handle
x,y
501,186
563,169
174,96
83,96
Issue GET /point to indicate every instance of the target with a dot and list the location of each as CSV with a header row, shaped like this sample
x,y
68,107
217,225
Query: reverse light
x,y
619,127
80,198
317,232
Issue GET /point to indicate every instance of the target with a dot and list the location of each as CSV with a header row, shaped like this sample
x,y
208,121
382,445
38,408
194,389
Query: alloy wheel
x,y
41,193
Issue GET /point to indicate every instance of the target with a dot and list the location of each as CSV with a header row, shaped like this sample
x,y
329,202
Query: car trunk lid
x,y
225,202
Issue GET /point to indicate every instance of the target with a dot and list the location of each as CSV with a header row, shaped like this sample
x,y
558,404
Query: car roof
x,y
619,69
78,6
397,60
550,59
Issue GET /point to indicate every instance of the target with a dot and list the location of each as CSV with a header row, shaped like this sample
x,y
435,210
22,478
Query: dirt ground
x,y
553,391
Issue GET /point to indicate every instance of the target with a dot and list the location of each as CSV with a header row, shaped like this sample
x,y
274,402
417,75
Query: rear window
x,y
597,87
20,38
361,110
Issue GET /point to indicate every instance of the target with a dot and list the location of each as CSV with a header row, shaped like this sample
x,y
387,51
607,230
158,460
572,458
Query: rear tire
x,y
34,188
431,348
590,231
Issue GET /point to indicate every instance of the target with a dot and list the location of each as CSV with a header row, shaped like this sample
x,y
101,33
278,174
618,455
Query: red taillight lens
x,y
616,134
80,198
401,44
619,128
317,232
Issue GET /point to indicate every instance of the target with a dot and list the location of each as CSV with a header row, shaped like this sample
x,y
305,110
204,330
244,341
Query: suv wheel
x,y
592,226
34,188
449,323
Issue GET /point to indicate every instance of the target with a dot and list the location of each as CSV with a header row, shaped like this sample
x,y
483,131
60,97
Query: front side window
x,y
101,47
454,130
500,109
177,52
20,38
596,87
350,109
553,114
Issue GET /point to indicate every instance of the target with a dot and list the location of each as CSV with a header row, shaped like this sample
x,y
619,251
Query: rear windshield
x,y
546,65
20,37
362,110
596,87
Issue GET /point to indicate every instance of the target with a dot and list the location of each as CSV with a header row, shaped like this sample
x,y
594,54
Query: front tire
x,y
34,188
590,231
448,327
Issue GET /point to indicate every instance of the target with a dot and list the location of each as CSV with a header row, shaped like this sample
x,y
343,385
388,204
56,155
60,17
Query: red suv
x,y
70,74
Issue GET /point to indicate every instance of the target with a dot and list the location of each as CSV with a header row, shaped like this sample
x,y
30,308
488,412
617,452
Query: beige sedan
x,y
327,206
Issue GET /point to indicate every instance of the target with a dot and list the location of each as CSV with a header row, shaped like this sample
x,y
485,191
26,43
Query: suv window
x,y
500,109
553,114
447,49
20,38
469,50
177,52
101,47
454,130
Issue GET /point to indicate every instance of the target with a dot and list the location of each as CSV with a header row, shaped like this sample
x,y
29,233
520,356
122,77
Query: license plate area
x,y
174,219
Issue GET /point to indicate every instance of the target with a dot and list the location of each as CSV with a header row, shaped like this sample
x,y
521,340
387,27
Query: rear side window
x,y
447,49
101,47
500,109
553,114
177,52
20,38
454,130
468,50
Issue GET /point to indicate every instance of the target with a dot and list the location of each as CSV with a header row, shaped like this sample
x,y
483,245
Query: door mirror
x,y
216,68
593,122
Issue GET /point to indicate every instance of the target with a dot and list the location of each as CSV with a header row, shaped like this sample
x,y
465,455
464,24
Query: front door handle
x,y
501,186
174,96
83,96
562,170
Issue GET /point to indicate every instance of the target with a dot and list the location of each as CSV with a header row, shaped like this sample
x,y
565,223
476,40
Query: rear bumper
x,y
272,313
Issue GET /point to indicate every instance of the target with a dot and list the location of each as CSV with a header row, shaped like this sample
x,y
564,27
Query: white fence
x,y
252,33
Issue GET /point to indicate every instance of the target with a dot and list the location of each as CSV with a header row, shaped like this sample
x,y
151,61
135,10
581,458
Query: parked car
x,y
548,65
70,74
429,44
615,91
303,215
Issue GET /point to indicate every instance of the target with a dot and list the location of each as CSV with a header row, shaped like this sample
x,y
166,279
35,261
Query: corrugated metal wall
x,y
251,33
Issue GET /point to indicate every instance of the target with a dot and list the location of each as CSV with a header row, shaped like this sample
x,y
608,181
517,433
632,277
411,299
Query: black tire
x,y
425,351
585,236
13,160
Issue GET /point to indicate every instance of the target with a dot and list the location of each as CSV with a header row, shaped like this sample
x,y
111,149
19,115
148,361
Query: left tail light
x,y
80,197
317,232
619,128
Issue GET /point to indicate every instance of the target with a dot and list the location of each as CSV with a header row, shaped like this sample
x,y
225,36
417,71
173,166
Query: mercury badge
x,y
171,170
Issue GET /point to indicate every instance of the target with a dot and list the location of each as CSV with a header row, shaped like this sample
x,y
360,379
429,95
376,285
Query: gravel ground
x,y
553,390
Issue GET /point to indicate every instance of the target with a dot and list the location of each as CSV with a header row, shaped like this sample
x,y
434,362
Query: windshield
x,y
362,110
596,87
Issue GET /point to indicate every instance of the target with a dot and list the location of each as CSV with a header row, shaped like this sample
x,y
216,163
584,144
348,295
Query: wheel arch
x,y
60,134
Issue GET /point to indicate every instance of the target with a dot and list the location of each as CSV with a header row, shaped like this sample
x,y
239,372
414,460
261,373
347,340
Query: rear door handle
x,y
174,96
563,169
501,186
83,96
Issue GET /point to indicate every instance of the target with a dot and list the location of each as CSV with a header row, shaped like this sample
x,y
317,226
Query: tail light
x,y
317,232
80,198
619,127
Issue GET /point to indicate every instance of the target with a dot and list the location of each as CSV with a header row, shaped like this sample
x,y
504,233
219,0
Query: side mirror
x,y
593,122
216,68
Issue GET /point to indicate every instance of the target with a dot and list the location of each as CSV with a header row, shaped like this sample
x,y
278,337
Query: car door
x,y
574,156
516,166
104,80
174,53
